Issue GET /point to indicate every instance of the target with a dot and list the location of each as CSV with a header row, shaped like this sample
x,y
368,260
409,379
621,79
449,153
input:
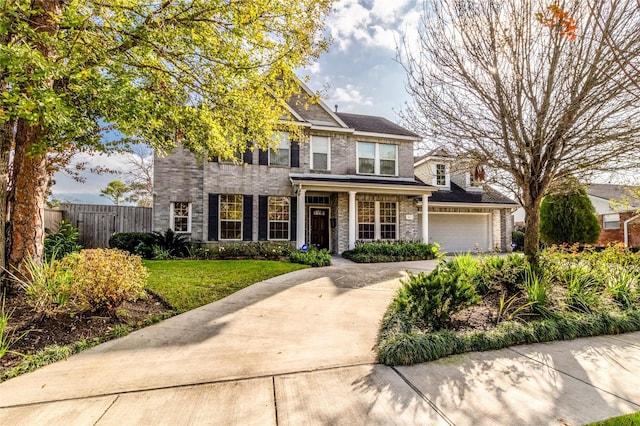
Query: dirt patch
x,y
64,329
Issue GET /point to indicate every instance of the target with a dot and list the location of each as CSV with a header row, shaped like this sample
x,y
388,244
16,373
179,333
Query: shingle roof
x,y
620,193
373,124
459,195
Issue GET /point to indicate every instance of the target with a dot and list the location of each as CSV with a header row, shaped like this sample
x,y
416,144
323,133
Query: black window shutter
x,y
247,157
212,234
263,213
295,154
247,218
263,158
293,214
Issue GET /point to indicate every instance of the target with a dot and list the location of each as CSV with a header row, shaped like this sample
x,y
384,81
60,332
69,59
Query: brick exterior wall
x,y
614,236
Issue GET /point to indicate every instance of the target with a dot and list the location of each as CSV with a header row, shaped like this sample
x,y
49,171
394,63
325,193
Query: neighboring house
x,y
617,207
464,215
351,179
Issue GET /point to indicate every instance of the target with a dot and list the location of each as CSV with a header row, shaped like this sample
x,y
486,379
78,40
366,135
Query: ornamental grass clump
x,y
92,280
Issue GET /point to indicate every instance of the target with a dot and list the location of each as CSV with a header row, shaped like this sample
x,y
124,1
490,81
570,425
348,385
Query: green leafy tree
x,y
116,191
568,218
208,74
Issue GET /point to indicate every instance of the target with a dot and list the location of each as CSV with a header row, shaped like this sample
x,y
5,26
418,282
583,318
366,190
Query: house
x,y
464,215
350,179
617,207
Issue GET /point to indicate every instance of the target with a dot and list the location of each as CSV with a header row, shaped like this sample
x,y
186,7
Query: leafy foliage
x,y
139,243
568,218
61,242
265,250
391,251
313,257
88,281
176,245
434,297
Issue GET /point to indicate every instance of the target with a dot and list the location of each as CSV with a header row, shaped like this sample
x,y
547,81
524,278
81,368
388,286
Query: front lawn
x,y
188,284
491,302
628,420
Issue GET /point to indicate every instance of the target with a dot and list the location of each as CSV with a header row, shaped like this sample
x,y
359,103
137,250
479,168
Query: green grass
x,y
628,420
188,284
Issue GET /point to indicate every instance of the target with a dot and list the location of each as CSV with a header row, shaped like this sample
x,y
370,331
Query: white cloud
x,y
380,23
314,69
350,94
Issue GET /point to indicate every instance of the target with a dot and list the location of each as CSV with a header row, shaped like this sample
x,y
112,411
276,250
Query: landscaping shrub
x,y
176,245
90,280
312,257
61,242
139,243
266,250
391,251
573,292
434,297
517,238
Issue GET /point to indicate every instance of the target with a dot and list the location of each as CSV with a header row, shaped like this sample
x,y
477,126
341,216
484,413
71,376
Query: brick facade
x,y
614,236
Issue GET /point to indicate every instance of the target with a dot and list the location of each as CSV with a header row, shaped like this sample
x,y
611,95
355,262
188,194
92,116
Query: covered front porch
x,y
340,210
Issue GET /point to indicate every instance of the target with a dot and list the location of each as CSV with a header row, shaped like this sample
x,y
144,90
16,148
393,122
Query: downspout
x,y
626,229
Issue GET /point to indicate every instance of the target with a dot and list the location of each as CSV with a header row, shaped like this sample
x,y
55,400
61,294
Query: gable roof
x,y
459,195
374,124
619,193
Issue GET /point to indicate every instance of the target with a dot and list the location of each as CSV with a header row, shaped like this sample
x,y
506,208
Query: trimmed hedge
x,y
391,251
413,347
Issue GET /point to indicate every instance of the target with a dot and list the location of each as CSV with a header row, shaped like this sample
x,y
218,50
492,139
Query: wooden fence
x,y
97,223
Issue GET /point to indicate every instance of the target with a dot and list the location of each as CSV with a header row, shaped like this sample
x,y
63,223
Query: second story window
x,y
320,153
280,157
377,158
441,174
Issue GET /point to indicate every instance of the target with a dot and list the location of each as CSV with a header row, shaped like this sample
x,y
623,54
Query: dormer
x,y
434,170
468,177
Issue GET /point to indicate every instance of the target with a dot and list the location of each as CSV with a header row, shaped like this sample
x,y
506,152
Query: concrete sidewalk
x,y
297,349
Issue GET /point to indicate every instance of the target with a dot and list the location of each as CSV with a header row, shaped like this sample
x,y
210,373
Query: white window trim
x,y
604,221
377,223
435,175
278,221
220,220
289,154
376,159
311,165
172,217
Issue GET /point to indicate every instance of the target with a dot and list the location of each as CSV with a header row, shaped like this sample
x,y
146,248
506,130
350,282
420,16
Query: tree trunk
x,y
30,179
532,229
6,141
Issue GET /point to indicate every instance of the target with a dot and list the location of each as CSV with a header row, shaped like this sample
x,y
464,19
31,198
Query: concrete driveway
x,y
297,349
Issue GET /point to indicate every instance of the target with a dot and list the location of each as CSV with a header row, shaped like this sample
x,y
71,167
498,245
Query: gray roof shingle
x,y
459,195
620,193
373,124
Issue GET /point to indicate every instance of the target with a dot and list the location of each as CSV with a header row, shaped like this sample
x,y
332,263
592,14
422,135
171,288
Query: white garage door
x,y
457,232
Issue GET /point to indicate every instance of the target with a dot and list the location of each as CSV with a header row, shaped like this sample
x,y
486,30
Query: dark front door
x,y
320,228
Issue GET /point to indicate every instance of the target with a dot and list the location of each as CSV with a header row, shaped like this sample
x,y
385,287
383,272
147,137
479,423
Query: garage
x,y
459,232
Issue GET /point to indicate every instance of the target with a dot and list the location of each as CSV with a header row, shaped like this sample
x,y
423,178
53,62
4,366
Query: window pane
x,y
279,157
230,216
388,232
180,224
387,167
320,161
387,152
181,217
366,166
366,231
320,144
388,216
279,218
441,174
366,150
366,220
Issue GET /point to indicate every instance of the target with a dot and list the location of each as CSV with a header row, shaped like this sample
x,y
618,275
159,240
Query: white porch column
x,y
352,219
425,218
300,234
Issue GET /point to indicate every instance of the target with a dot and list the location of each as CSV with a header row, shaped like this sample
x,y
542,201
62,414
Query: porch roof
x,y
363,184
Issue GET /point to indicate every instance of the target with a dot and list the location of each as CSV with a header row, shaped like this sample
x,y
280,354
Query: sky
x,y
358,73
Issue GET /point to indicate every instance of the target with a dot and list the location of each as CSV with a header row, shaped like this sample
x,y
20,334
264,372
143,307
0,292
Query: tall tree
x,y
209,74
568,218
534,92
116,191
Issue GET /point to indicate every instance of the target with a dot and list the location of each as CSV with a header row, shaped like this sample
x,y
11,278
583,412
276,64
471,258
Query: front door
x,y
319,227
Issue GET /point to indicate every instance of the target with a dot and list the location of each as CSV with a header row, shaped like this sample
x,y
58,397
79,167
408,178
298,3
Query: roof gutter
x,y
626,229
